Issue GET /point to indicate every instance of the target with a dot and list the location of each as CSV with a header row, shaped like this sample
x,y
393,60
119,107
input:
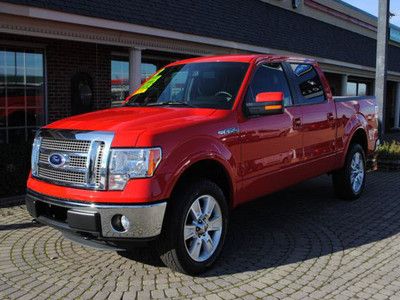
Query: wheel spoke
x,y
195,248
215,224
195,210
208,207
208,243
190,231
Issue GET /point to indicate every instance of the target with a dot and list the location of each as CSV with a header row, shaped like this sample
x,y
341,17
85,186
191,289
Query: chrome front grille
x,y
75,161
62,176
66,145
84,158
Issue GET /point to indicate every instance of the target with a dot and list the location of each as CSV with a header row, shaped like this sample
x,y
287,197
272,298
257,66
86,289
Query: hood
x,y
132,121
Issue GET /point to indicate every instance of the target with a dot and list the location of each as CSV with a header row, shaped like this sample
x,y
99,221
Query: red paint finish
x,y
260,154
269,97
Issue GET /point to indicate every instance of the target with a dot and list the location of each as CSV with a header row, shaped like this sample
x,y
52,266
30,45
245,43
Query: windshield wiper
x,y
172,103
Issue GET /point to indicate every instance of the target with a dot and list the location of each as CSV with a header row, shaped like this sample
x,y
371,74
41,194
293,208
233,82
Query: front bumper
x,y
94,220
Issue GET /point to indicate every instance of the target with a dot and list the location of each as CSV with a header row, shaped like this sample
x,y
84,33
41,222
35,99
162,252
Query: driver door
x,y
271,144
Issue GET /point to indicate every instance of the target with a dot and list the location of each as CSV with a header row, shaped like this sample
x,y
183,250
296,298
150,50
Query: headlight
x,y
35,155
131,163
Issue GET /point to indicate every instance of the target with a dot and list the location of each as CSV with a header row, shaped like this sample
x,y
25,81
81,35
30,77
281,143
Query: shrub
x,y
15,160
389,151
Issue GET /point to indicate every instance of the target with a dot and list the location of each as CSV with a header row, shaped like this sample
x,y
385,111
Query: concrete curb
x,y
12,201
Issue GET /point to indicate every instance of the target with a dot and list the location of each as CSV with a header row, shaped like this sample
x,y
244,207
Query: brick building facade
x,y
62,58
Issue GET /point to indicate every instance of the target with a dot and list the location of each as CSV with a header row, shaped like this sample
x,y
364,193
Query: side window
x,y
269,78
309,84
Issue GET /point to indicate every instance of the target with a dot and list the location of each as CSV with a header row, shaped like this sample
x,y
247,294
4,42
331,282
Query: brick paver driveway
x,y
299,243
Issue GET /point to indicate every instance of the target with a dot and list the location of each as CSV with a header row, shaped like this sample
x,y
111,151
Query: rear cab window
x,y
308,84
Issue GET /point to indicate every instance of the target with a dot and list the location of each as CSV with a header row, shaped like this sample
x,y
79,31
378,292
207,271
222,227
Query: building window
x,y
21,95
120,78
119,81
357,87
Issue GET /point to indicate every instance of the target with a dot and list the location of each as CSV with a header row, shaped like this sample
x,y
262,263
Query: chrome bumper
x,y
95,219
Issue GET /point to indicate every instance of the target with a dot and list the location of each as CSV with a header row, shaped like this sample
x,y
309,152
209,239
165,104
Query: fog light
x,y
120,223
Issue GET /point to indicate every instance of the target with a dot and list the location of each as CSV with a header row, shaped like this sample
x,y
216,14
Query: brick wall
x,y
64,60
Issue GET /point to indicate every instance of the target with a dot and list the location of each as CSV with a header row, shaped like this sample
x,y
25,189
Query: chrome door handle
x,y
330,116
296,122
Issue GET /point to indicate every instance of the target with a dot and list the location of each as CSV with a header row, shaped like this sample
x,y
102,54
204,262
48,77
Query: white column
x,y
343,85
135,60
397,107
381,61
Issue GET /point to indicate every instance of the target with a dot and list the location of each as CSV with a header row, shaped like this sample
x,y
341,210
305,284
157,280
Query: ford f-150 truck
x,y
197,139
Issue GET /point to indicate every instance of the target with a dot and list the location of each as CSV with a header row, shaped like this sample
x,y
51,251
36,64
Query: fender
x,y
355,123
198,149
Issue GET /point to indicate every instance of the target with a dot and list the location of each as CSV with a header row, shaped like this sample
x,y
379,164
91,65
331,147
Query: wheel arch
x,y
359,136
211,169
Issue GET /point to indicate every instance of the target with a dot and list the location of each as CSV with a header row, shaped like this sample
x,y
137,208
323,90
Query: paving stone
x,y
301,243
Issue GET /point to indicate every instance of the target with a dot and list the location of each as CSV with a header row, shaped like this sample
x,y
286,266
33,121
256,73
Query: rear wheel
x,y
349,182
195,228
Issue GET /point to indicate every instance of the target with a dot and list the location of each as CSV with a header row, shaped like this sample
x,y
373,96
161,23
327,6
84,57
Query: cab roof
x,y
246,58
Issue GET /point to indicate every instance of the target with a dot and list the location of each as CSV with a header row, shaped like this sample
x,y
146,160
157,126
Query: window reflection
x,y
309,83
120,78
358,88
21,94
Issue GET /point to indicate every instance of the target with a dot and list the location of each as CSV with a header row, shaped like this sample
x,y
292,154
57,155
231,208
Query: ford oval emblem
x,y
57,160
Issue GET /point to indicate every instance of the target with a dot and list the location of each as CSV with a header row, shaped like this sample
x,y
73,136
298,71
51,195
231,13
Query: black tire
x,y
171,244
342,182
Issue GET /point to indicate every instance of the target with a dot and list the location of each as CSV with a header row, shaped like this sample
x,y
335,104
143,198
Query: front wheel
x,y
196,226
349,182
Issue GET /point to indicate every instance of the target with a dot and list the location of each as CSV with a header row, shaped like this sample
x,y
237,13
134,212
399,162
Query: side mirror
x,y
268,103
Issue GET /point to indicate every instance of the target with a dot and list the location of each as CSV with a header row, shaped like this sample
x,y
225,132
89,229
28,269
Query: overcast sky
x,y
371,6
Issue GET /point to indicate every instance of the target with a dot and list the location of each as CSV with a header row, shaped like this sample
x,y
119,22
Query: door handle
x,y
296,122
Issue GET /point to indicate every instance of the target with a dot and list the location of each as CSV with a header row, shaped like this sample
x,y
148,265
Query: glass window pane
x,y
16,136
351,89
309,83
2,76
21,93
362,89
2,58
34,77
34,116
2,136
15,97
2,67
34,60
34,97
269,78
10,59
20,59
2,118
147,70
119,81
2,97
16,117
11,76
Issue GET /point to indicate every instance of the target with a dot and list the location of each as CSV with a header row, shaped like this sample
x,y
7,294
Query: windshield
x,y
204,85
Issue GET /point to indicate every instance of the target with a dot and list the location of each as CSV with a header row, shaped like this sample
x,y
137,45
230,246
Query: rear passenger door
x,y
318,118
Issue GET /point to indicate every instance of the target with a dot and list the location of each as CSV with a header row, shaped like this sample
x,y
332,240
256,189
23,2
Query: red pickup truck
x,y
196,140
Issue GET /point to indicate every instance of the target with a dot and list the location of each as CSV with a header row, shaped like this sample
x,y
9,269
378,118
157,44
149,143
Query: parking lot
x,y
299,243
